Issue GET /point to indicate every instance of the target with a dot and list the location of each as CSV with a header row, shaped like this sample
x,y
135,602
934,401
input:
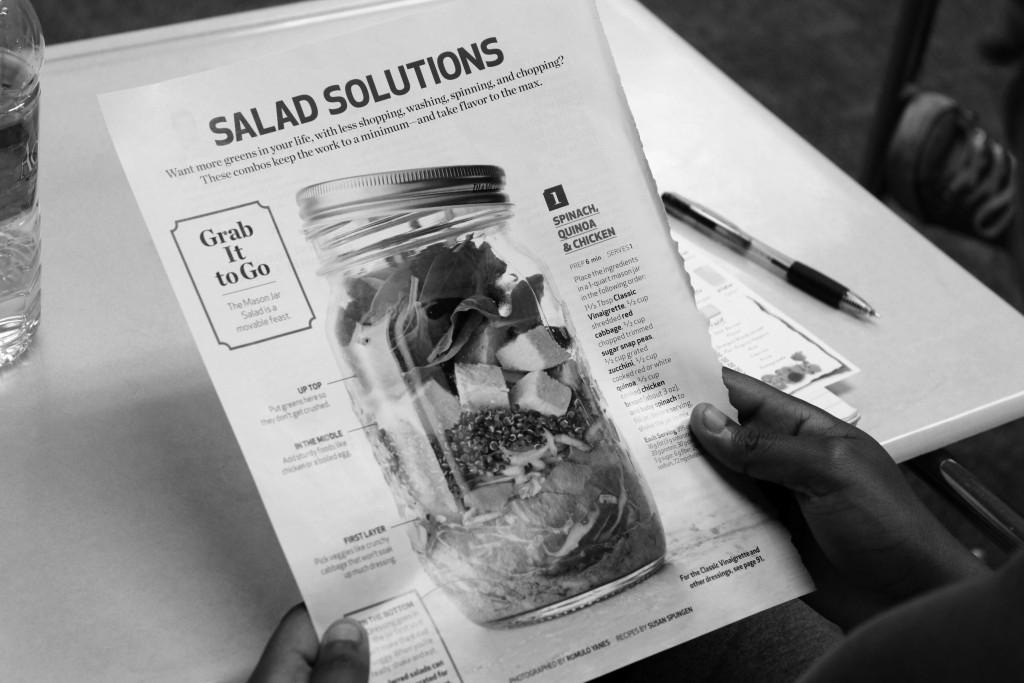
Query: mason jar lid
x,y
397,190
348,220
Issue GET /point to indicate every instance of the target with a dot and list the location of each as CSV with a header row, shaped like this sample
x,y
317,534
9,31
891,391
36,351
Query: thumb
x,y
344,654
807,464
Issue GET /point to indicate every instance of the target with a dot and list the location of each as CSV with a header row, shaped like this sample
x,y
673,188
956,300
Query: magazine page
x,y
429,275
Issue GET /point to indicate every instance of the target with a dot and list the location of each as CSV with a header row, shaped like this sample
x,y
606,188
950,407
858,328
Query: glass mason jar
x,y
478,404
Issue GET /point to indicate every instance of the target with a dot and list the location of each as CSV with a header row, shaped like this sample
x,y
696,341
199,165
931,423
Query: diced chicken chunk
x,y
533,350
439,403
537,391
480,386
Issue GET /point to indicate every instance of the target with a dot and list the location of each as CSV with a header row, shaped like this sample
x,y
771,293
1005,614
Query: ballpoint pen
x,y
798,274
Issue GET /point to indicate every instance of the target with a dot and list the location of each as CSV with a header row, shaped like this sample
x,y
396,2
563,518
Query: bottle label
x,y
19,137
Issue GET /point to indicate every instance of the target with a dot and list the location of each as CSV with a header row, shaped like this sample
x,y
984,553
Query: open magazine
x,y
429,275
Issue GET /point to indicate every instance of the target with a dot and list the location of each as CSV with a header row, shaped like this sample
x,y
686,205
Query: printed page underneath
x,y
475,436
754,337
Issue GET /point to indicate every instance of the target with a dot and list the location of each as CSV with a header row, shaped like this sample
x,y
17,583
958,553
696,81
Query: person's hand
x,y
863,534
293,654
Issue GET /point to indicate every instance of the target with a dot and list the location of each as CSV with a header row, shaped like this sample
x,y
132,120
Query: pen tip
x,y
857,306
867,312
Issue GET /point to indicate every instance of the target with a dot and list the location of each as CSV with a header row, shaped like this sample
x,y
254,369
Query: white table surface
x,y
134,545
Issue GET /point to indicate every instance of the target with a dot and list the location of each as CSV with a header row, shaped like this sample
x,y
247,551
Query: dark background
x,y
818,65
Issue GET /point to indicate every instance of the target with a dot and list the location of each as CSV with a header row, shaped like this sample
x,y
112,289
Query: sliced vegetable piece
x,y
575,535
491,498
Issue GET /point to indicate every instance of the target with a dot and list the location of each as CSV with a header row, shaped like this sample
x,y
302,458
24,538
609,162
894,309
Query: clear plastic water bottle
x,y
21,57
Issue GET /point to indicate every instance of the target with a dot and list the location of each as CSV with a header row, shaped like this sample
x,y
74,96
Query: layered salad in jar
x,y
490,434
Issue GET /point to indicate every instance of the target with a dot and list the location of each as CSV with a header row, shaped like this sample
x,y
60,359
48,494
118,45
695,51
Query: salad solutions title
x,y
356,93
